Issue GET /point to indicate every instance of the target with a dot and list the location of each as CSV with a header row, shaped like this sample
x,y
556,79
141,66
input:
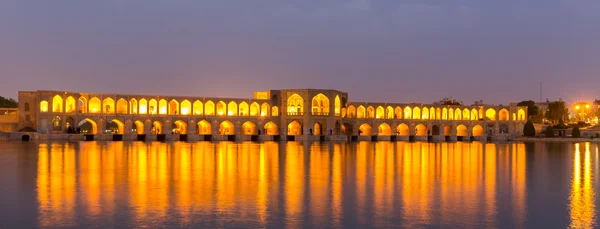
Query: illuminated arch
x,y
521,115
180,127
44,106
389,112
337,106
221,108
139,127
370,112
226,128
295,104
249,128
384,130
320,105
416,113
162,107
94,105
365,130
432,113
407,113
457,114
318,129
133,106
351,112
120,126
447,130
173,108
444,114
255,110
438,113
209,108
466,114
344,112
204,128
70,105
451,114
186,107
294,128
83,105
122,106
421,130
274,111
153,107
198,108
57,104
361,112
503,115
435,130
108,106
490,114
143,106
380,113
264,109
474,115
157,127
232,109
244,109
461,130
271,129
402,130
477,131
425,113
398,112
94,126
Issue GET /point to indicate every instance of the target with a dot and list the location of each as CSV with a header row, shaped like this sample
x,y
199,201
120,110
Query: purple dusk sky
x,y
376,50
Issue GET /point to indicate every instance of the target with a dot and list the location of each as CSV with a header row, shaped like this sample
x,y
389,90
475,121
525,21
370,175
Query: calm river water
x,y
294,185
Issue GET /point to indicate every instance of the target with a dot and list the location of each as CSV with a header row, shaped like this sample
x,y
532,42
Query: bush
x,y
529,129
549,132
576,133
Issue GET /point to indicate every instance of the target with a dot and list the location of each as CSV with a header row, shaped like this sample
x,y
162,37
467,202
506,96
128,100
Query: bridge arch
x,y
384,130
88,125
461,130
271,129
365,130
421,130
180,127
115,126
138,127
122,106
503,114
295,104
318,129
478,130
402,130
249,128
226,128
490,114
157,127
320,104
204,128
294,128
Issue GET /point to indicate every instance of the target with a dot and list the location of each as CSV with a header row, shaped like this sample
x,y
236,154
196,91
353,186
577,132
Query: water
x,y
294,185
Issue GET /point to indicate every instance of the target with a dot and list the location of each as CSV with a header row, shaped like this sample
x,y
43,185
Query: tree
x,y
532,109
449,101
576,133
529,129
557,111
549,132
8,103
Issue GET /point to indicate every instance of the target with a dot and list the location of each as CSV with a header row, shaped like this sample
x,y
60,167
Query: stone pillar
x,y
191,127
127,127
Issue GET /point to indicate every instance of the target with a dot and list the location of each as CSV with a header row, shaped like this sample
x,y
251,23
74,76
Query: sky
x,y
376,50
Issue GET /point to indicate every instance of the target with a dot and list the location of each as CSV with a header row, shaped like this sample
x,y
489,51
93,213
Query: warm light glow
x,y
44,106
577,107
587,106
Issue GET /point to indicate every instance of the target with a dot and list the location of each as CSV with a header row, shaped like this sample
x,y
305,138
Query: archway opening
x,y
244,109
384,130
447,130
226,128
490,114
173,108
204,128
295,105
108,106
180,127
70,104
249,128
115,126
186,107
503,116
82,104
318,129
122,106
157,127
365,130
402,130
271,129
320,105
347,129
461,130
87,126
138,127
57,104
477,130
294,128
435,130
421,130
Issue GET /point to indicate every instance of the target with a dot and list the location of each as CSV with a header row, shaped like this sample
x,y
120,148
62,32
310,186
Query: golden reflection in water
x,y
518,179
294,184
319,182
582,206
56,184
490,183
